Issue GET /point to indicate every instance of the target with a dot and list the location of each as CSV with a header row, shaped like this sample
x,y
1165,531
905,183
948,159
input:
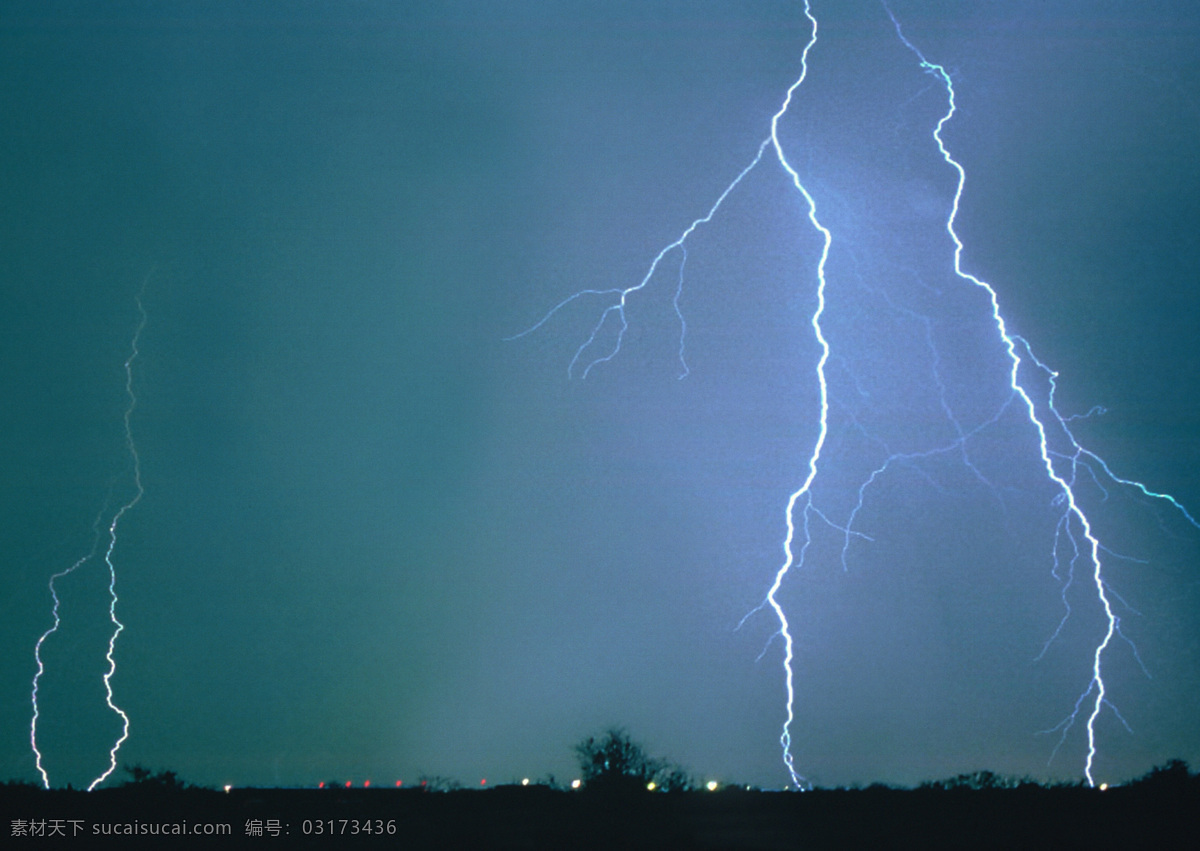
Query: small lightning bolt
x,y
118,627
37,649
617,309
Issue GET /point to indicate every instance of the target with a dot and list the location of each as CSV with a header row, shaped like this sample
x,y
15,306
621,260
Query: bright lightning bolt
x,y
1062,457
616,313
804,492
118,627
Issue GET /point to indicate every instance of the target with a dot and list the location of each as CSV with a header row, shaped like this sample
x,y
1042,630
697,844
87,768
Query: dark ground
x,y
1161,811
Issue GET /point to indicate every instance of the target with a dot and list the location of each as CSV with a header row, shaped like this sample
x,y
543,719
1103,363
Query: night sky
x,y
377,540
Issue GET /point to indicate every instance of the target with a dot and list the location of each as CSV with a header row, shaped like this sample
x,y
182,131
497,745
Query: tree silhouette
x,y
614,762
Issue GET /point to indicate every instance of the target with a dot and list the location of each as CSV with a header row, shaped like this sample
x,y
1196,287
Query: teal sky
x,y
379,541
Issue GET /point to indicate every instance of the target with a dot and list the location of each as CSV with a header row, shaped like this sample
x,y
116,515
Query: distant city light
x,y
399,783
711,785
651,786
483,782
321,785
227,787
347,784
575,784
525,781
366,784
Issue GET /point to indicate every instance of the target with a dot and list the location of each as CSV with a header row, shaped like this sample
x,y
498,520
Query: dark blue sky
x,y
378,541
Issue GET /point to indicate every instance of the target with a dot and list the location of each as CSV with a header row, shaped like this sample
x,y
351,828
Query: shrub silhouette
x,y
981,780
141,777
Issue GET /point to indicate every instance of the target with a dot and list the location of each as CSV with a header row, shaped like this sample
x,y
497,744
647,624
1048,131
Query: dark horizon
x,y
1175,773
1155,811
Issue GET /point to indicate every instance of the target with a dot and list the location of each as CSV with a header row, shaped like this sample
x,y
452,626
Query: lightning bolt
x,y
1073,516
37,649
118,627
1062,457
616,313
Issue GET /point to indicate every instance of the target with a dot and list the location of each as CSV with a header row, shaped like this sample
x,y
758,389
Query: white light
x,y
227,787
711,785
575,784
651,785
1103,786
525,781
